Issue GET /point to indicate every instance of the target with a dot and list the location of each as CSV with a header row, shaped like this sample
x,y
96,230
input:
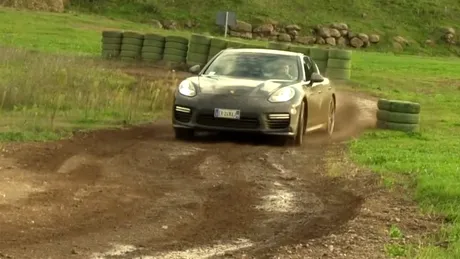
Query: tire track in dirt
x,y
140,188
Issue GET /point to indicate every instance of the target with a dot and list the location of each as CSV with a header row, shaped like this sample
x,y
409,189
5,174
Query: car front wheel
x,y
331,118
297,139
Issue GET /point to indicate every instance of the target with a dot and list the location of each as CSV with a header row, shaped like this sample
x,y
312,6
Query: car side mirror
x,y
195,69
316,78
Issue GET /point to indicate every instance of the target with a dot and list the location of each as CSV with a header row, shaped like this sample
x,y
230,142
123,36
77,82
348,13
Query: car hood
x,y
238,87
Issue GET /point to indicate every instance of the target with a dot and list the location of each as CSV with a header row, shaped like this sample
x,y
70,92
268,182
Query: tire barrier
x,y
234,44
278,46
398,115
198,50
216,46
320,56
131,46
333,63
111,44
339,64
176,48
153,47
300,49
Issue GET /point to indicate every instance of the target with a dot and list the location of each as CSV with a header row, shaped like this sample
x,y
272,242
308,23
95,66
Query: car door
x,y
313,94
323,90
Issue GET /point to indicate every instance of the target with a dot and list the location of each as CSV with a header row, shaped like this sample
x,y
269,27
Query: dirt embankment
x,y
138,193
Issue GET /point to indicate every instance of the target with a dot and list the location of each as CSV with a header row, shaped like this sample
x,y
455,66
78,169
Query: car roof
x,y
267,51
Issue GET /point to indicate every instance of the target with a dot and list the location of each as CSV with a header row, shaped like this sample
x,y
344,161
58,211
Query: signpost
x,y
226,19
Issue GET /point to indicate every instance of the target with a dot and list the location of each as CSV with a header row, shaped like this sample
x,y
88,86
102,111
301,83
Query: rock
x,y
363,37
351,34
341,26
284,37
324,32
402,41
374,38
397,46
449,38
241,26
342,41
449,30
244,35
331,41
170,25
293,27
264,29
320,41
307,40
356,42
344,32
274,33
156,24
366,44
429,42
335,33
293,33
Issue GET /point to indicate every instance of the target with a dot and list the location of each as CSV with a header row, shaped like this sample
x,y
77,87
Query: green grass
x,y
45,95
417,20
430,158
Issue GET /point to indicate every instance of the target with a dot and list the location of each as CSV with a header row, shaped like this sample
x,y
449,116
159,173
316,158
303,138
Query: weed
x,y
42,93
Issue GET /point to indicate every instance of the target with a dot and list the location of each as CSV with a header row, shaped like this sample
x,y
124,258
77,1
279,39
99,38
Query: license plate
x,y
227,114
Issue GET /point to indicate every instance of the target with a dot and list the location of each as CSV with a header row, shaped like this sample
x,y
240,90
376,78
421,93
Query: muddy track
x,y
152,195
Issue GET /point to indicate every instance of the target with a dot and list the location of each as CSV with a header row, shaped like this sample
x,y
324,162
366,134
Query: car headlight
x,y
186,88
282,95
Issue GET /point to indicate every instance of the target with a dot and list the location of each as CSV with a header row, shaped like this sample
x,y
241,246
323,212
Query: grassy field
x,y
417,20
429,158
45,95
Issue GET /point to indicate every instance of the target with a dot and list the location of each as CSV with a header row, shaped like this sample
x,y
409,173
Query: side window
x,y
308,67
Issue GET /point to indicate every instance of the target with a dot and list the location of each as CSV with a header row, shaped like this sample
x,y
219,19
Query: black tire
x,y
184,134
331,118
297,139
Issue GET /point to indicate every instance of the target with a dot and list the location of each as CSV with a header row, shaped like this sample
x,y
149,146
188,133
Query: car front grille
x,y
278,124
242,123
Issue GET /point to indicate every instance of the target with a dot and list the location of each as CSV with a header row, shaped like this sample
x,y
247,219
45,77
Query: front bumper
x,y
257,114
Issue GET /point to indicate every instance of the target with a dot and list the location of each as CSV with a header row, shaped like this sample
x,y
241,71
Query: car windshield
x,y
259,66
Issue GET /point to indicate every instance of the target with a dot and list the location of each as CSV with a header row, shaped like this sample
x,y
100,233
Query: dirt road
x,y
138,193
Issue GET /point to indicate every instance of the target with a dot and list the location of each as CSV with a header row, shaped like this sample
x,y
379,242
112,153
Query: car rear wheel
x,y
184,134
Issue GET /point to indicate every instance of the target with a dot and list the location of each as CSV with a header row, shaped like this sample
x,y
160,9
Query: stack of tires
x,y
339,64
216,46
131,46
278,46
198,50
320,56
176,48
300,49
111,44
153,47
398,115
